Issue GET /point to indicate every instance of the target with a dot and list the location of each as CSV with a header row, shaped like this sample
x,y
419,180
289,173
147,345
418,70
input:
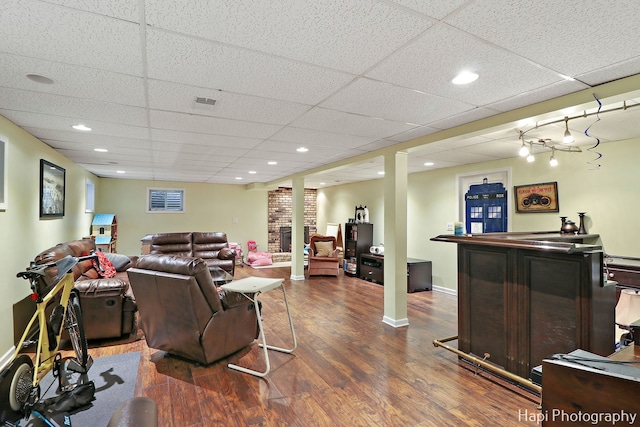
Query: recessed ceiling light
x,y
302,149
272,162
101,150
81,127
428,164
381,173
40,79
464,78
252,172
238,178
323,183
120,172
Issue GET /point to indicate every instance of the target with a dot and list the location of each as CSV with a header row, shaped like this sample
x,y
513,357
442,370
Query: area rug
x,y
115,380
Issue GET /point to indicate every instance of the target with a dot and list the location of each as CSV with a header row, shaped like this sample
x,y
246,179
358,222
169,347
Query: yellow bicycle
x,y
20,379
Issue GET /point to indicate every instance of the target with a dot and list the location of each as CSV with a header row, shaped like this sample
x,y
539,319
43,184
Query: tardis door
x,y
486,208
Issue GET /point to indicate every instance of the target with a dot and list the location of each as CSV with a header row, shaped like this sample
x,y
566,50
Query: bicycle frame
x,y
44,357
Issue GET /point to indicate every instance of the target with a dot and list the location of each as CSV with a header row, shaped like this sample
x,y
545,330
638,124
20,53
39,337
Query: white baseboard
x,y
395,323
297,277
445,290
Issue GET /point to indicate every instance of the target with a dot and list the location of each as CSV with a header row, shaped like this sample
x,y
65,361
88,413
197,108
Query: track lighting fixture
x,y
552,160
524,151
568,138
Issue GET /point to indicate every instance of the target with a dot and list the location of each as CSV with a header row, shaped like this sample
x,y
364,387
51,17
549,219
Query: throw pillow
x,y
106,270
119,261
324,248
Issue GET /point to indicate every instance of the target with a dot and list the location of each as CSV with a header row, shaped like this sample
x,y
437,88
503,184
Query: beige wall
x,y
24,234
608,195
240,213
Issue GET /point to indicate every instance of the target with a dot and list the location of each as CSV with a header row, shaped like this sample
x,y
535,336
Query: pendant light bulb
x,y
553,161
524,151
530,158
568,138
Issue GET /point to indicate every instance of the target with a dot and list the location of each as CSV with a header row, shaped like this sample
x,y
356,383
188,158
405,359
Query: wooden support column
x,y
395,239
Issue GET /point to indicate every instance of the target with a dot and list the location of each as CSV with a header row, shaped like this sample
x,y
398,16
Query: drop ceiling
x,y
344,79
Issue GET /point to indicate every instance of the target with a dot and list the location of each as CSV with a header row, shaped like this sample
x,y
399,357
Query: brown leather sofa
x,y
108,306
183,313
212,247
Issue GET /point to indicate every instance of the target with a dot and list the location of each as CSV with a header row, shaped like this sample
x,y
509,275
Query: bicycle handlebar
x,y
64,266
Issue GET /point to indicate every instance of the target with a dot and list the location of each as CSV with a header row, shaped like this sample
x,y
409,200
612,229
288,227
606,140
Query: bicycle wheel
x,y
15,388
75,326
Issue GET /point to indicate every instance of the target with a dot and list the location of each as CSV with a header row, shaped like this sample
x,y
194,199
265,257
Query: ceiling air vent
x,y
204,103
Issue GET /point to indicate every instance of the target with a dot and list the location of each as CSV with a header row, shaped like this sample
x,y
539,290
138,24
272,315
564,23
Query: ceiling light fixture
x,y
101,150
120,171
238,178
524,151
428,164
530,158
568,138
81,127
272,162
302,149
252,172
465,77
552,160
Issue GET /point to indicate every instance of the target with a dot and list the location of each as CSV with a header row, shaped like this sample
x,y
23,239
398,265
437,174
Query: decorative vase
x,y
563,219
569,227
582,229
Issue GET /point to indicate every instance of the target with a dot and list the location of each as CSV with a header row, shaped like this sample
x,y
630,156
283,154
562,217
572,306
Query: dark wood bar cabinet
x,y
523,297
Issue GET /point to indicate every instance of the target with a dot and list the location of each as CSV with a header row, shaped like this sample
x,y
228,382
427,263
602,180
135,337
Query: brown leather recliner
x,y
108,308
212,247
181,311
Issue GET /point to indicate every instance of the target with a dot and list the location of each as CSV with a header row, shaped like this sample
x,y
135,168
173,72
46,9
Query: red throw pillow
x,y
108,270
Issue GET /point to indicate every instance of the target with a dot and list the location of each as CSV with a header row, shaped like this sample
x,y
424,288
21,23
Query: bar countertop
x,y
539,240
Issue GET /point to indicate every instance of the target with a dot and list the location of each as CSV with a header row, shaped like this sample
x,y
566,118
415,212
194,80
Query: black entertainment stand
x,y
418,272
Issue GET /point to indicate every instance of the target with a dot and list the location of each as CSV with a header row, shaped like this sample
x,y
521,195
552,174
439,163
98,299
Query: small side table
x,y
256,286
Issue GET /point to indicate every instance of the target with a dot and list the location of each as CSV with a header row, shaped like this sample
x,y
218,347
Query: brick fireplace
x,y
280,212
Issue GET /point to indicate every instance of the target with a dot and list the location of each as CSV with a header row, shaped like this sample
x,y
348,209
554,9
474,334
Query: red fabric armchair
x,y
323,256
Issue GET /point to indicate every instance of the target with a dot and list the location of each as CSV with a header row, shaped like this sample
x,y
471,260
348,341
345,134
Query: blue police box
x,y
486,208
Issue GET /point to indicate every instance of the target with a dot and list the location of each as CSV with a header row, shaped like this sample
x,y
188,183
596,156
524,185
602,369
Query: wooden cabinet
x,y
522,299
418,272
358,238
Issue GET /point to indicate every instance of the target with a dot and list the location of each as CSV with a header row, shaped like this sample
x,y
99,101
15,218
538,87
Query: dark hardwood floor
x,y
350,368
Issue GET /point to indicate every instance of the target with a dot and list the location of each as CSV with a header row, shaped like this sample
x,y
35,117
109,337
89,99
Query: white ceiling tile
x,y
46,121
71,80
412,134
611,72
207,139
121,9
213,125
75,109
180,97
467,117
315,137
378,99
198,62
433,60
351,124
554,90
570,37
55,33
350,36
437,9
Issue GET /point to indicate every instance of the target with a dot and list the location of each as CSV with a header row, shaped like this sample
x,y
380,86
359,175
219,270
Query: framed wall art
x,y
536,198
52,191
